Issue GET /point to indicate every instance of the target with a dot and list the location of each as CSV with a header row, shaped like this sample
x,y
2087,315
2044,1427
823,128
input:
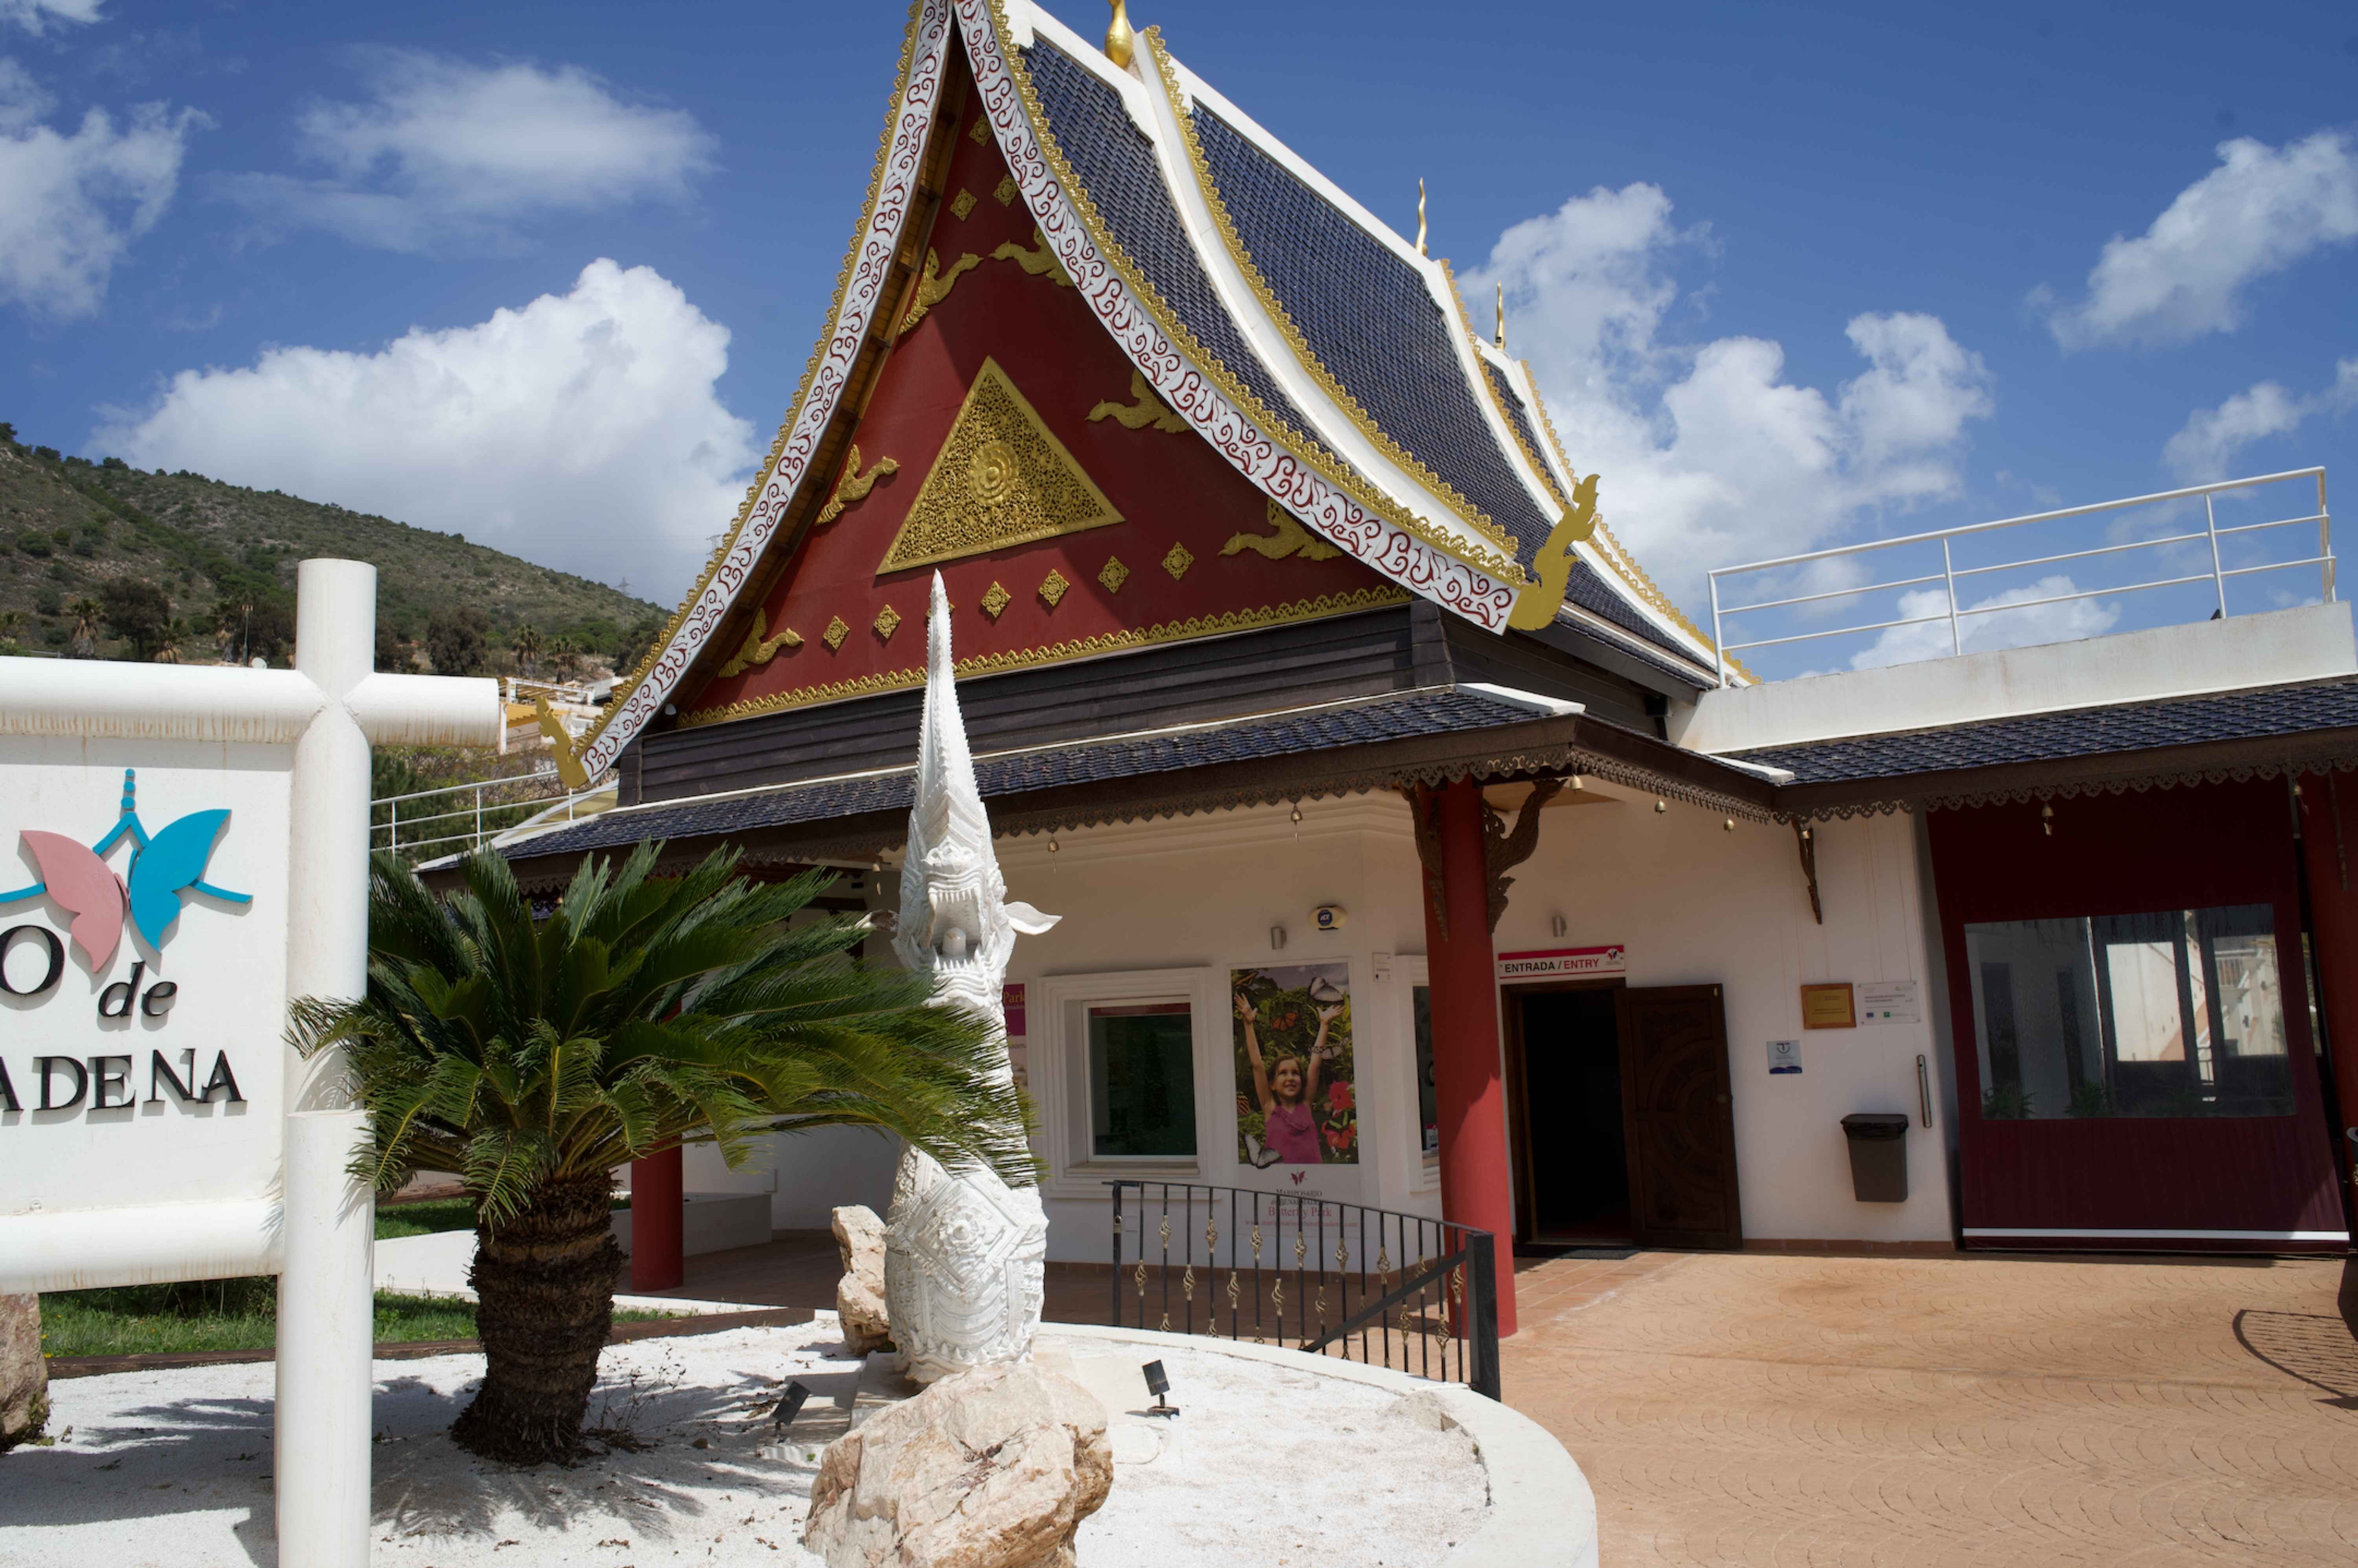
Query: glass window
x,y
1428,1104
2178,1012
1141,1081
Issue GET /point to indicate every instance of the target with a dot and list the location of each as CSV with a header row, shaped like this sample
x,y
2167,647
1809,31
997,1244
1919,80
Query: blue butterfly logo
x,y
164,869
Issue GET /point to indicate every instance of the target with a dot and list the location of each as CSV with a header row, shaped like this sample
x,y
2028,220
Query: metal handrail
x,y
1949,571
478,833
1421,1297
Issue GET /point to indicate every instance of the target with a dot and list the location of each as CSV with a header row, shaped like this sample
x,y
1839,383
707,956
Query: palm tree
x,y
526,641
533,1057
81,642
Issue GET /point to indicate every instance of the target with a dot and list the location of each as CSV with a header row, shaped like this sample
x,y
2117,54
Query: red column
x,y
1476,1184
657,1224
2329,839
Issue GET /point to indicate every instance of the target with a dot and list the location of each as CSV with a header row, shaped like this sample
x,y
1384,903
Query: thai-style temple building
x,y
1411,848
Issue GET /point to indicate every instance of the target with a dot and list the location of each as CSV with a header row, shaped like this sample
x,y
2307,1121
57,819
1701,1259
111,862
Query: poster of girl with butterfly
x,y
1296,1077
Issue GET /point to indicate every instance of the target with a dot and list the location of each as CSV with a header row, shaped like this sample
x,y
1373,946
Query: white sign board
x,y
1563,963
143,974
1889,1001
1784,1057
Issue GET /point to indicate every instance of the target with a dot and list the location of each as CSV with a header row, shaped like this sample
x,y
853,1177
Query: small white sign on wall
x,y
1784,1057
1889,1001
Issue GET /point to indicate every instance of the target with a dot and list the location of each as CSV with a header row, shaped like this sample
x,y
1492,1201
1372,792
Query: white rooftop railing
x,y
1955,615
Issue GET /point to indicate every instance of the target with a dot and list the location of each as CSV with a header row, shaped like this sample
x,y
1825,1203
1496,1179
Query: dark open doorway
x,y
1621,1116
1571,1167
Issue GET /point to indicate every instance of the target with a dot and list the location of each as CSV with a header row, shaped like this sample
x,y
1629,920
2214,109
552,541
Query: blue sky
x,y
1790,275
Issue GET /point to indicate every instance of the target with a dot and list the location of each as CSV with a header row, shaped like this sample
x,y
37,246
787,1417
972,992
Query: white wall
x,y
1695,903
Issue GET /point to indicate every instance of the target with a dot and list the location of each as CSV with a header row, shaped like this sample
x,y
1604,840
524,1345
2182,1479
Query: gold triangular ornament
x,y
1001,479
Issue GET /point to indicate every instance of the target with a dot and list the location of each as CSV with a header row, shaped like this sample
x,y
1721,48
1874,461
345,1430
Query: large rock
x,y
991,1468
860,1294
24,1376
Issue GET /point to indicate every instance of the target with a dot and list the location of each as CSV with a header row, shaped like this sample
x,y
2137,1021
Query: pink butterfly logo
x,y
88,889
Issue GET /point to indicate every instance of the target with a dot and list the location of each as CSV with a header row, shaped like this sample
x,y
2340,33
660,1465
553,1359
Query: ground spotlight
x,y
1158,1385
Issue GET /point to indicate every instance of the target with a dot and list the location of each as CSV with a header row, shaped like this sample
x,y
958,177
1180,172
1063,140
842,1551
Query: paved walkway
x,y
1842,1412
1778,1410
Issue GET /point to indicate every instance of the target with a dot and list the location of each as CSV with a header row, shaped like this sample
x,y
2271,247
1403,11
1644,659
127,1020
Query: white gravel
x,y
1266,1466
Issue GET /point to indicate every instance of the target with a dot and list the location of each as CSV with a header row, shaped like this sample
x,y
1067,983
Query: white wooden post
x,y
89,1205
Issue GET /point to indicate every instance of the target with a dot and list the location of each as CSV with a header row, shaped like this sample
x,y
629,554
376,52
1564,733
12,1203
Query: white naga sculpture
x,y
963,1252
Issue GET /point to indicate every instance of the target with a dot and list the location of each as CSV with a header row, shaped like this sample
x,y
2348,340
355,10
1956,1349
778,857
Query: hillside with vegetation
x,y
104,561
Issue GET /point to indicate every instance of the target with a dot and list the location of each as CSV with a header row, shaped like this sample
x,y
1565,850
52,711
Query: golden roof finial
x,y
1420,205
1121,42
1500,339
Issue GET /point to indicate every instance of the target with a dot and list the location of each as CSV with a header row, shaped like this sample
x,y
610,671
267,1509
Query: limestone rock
x,y
24,1376
990,1468
860,1294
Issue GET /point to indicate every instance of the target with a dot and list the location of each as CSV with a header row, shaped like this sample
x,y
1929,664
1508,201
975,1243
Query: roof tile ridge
x,y
656,649
1489,392
1300,444
1290,331
1617,556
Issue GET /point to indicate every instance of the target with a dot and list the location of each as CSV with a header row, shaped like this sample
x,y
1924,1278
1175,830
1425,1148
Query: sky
x,y
1789,277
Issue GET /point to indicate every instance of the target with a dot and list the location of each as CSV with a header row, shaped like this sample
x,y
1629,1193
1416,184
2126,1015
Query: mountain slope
x,y
68,527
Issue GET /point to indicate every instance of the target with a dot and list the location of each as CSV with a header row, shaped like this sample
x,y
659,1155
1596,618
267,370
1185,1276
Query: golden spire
x,y
1121,42
1420,197
1500,339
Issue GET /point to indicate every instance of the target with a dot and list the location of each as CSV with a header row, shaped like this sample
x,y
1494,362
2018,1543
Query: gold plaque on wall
x,y
1001,479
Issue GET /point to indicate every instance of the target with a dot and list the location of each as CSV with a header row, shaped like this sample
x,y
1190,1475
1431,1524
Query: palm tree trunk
x,y
545,1283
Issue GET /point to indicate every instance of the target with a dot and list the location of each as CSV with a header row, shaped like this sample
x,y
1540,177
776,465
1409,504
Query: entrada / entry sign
x,y
1563,963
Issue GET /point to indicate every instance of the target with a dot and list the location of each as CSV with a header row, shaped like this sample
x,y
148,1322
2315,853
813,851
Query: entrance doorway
x,y
1623,1125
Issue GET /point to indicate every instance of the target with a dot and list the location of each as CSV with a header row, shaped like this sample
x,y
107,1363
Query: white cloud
x,y
1709,455
447,156
2204,449
35,16
1982,633
581,431
2261,210
70,204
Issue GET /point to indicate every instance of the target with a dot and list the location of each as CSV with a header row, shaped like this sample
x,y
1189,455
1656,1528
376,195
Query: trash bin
x,y
1878,1155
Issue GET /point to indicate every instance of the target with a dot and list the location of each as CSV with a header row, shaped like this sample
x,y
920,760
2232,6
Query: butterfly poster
x,y
1297,1099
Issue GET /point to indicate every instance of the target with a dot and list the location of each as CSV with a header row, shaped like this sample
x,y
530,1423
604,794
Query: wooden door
x,y
1679,1116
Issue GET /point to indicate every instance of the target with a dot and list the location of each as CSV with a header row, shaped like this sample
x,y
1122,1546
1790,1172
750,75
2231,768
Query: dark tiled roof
x,y
1116,166
1513,404
2082,732
1432,711
1586,587
1369,319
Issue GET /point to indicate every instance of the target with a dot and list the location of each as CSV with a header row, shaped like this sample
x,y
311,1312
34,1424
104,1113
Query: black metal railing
x,y
1329,1279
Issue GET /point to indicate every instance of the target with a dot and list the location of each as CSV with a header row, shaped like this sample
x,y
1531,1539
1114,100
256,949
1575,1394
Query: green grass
x,y
228,1314
424,1219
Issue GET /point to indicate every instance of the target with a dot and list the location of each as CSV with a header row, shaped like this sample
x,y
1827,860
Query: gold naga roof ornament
x,y
1536,603
1291,539
854,485
759,647
1121,43
1420,215
1499,341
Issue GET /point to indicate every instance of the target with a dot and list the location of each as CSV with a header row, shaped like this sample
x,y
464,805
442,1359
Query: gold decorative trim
x,y
1143,409
1490,393
1001,479
1087,647
1177,559
935,285
625,691
1328,382
1005,193
1298,445
1113,573
854,485
961,204
760,648
1290,538
980,132
1040,262
888,621
1053,587
835,634
995,601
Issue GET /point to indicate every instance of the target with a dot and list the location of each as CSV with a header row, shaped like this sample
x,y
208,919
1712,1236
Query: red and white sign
x,y
1562,963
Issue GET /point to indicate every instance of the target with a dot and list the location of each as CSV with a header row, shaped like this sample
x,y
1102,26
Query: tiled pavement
x,y
1834,1411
